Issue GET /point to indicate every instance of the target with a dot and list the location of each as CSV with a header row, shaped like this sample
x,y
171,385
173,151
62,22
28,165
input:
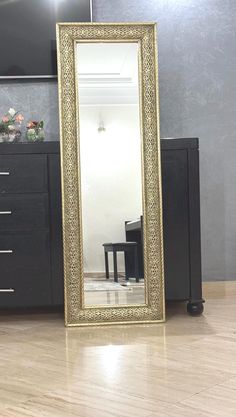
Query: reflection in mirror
x,y
111,173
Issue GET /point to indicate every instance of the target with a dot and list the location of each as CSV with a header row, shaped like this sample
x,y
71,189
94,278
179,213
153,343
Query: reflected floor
x,y
99,290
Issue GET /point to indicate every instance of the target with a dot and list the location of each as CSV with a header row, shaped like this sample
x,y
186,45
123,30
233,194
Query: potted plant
x,y
10,126
35,131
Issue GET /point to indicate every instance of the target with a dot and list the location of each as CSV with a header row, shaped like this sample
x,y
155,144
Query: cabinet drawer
x,y
25,270
24,212
23,173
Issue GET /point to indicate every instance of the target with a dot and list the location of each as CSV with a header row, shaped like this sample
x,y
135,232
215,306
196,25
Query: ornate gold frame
x,y
68,34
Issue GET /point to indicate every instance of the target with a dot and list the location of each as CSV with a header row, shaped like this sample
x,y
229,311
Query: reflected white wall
x,y
110,178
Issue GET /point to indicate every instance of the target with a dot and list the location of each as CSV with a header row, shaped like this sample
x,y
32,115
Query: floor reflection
x,y
100,291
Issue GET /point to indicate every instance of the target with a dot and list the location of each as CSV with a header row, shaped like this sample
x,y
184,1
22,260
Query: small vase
x,y
11,135
35,135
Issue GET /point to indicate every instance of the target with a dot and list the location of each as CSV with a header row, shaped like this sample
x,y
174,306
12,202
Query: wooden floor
x,y
185,367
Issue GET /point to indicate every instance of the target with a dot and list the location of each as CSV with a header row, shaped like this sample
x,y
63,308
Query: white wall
x,y
110,178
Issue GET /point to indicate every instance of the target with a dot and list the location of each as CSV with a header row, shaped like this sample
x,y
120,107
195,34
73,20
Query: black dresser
x,y
30,226
31,264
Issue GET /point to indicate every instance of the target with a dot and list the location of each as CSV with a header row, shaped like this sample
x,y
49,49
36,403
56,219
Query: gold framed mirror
x,y
111,180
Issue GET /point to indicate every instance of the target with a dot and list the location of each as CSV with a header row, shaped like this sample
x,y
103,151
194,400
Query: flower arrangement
x,y
10,126
35,131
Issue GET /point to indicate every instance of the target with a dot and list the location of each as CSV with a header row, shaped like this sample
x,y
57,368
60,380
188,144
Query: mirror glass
x,y
111,172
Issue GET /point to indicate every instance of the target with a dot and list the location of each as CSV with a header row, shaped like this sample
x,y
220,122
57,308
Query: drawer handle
x,y
5,212
6,251
7,290
4,173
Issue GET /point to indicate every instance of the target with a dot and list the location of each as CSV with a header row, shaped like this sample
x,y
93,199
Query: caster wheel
x,y
195,309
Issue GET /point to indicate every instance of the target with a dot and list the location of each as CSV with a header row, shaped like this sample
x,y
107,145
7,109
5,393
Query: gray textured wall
x,y
36,100
197,77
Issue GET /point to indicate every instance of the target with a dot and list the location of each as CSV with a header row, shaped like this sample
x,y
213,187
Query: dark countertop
x,y
54,146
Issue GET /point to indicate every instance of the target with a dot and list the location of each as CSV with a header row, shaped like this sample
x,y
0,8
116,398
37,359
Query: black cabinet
x,y
181,220
31,260
31,272
181,224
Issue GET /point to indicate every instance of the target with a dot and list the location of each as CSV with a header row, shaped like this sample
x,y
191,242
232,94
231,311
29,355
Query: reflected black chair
x,y
126,247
